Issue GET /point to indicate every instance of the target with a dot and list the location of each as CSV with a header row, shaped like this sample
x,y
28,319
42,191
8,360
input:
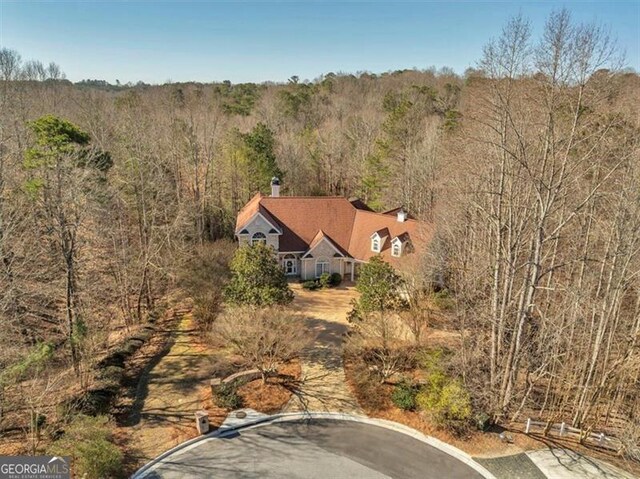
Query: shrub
x,y
92,402
630,439
131,346
482,421
206,307
428,398
404,396
311,285
88,441
227,396
447,401
442,300
325,280
257,279
110,377
455,401
369,390
264,337
379,286
385,359
335,279
38,421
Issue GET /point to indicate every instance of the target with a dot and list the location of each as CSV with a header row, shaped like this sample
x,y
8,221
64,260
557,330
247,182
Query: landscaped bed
x,y
375,398
268,397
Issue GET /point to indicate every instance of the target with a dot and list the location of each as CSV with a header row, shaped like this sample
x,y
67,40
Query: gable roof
x,y
251,210
347,224
248,211
322,237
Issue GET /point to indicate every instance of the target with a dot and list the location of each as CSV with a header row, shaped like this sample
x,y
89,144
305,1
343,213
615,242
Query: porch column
x,y
353,264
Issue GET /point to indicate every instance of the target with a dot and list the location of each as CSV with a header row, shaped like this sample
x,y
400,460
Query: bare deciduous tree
x,y
265,338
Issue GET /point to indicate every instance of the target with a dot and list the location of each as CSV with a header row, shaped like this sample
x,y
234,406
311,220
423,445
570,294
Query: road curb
x,y
255,419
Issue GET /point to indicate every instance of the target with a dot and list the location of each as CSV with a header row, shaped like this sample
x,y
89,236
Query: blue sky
x,y
241,41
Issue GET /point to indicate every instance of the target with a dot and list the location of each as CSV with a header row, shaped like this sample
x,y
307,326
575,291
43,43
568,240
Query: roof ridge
x,y
382,214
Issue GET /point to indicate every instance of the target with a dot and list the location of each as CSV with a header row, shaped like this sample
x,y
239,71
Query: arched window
x,y
290,265
396,249
258,238
375,244
322,266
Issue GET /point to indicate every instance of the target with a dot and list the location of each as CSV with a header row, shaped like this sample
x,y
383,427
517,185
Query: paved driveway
x,y
316,449
324,386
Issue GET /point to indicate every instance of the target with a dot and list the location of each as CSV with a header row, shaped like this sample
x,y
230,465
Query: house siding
x,y
323,251
259,225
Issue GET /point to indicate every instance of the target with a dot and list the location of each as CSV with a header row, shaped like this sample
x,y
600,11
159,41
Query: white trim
x,y
254,420
330,243
376,243
250,220
396,242
294,269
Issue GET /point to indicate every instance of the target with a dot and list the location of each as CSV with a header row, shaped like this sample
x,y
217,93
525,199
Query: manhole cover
x,y
241,414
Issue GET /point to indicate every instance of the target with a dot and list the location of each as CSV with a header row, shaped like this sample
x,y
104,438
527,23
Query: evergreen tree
x,y
256,278
259,146
61,166
379,287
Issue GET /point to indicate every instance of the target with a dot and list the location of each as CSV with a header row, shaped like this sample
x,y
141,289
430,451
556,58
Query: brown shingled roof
x,y
248,210
301,217
305,220
366,223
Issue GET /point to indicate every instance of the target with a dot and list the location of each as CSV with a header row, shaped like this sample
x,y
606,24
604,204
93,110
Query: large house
x,y
328,234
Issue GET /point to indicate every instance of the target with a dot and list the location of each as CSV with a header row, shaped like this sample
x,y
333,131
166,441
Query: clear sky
x,y
240,41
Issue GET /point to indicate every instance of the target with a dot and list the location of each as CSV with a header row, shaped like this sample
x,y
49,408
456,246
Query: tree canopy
x,y
379,286
256,278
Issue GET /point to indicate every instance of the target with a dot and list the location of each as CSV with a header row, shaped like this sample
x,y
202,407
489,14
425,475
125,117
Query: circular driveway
x,y
312,449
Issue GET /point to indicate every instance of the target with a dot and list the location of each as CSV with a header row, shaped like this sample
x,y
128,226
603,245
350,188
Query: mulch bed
x,y
271,397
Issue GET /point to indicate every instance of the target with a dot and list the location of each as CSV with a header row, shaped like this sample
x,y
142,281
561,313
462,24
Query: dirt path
x,y
170,390
324,386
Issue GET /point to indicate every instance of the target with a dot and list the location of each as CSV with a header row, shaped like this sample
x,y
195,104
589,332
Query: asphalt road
x,y
317,449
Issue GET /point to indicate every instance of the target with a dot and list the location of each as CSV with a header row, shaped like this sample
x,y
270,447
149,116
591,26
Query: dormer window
x,y
377,240
375,244
258,238
399,244
396,248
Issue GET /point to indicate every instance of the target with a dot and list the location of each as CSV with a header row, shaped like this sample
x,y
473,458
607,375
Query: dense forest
x,y
528,166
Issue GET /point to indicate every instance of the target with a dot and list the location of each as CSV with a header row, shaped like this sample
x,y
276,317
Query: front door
x,y
290,267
